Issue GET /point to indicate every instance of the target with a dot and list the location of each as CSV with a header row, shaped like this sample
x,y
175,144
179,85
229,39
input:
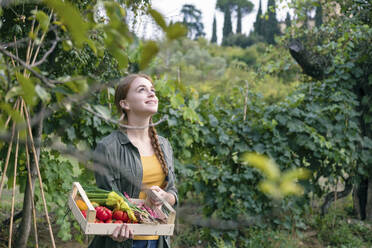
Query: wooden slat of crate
x,y
89,227
137,229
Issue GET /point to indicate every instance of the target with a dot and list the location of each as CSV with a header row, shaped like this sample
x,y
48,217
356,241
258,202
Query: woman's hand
x,y
164,195
122,233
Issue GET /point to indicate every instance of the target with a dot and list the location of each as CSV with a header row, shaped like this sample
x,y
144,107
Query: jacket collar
x,y
123,137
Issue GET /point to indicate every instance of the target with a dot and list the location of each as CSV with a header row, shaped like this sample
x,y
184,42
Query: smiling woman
x,y
135,159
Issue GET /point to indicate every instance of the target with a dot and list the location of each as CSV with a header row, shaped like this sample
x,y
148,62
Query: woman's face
x,y
141,99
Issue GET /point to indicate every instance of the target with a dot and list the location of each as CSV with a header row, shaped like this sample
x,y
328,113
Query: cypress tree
x,y
258,25
271,27
239,23
242,8
318,16
214,31
227,25
288,22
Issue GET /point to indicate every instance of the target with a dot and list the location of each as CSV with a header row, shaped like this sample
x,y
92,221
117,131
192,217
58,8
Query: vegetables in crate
x,y
118,202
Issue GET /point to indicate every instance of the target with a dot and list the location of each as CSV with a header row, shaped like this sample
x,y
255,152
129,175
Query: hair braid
x,y
157,149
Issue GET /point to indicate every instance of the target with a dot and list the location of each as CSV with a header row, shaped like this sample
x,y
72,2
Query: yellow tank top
x,y
153,175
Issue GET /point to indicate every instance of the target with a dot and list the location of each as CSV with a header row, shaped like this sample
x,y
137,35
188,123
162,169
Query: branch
x,y
330,197
49,83
54,44
16,43
123,125
311,64
76,98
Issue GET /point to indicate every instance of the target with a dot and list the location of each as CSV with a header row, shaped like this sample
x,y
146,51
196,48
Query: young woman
x,y
135,158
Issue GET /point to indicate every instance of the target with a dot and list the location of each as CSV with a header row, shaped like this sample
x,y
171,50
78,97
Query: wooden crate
x,y
89,227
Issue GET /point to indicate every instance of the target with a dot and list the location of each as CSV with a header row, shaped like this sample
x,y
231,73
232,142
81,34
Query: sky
x,y
171,11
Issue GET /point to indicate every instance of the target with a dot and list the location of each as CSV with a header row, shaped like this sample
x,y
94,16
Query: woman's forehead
x,y
141,81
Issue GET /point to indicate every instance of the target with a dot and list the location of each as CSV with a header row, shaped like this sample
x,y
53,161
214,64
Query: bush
x,y
242,40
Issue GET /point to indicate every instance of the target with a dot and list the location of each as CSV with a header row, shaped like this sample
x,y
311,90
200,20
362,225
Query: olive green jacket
x,y
118,167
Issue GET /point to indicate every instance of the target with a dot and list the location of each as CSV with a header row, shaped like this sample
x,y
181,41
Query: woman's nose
x,y
151,94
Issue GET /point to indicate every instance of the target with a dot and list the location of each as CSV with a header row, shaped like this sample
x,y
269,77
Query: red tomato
x,y
120,215
119,221
125,217
109,221
103,213
84,213
99,221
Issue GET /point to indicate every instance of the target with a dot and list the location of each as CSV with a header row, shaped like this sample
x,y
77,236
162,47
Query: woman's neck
x,y
138,134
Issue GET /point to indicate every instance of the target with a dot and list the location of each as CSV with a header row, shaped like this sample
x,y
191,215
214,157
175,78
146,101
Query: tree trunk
x,y
356,202
361,199
364,189
239,24
369,201
24,229
333,196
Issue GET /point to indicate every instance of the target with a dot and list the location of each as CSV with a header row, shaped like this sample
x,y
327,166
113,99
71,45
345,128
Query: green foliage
x,y
70,16
215,114
277,184
58,176
240,40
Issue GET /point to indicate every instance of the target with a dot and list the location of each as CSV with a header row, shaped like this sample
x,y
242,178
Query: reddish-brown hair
x,y
121,93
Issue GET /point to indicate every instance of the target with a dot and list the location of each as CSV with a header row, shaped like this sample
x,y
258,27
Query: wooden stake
x,y
32,194
39,177
41,41
14,185
29,49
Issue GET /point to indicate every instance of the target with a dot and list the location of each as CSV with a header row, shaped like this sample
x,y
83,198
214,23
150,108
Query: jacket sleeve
x,y
171,187
103,170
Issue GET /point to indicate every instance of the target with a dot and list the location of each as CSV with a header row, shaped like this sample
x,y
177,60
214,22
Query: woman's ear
x,y
124,104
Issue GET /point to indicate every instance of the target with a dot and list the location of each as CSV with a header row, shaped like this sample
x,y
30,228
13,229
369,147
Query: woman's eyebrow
x,y
142,85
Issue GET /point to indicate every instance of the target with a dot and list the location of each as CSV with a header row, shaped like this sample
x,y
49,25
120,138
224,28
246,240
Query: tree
x,y
318,15
288,20
192,20
225,6
271,26
259,23
214,31
242,8
345,69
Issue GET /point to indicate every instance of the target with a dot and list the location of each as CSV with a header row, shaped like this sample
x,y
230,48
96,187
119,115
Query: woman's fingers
x,y
122,233
115,233
126,233
156,188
